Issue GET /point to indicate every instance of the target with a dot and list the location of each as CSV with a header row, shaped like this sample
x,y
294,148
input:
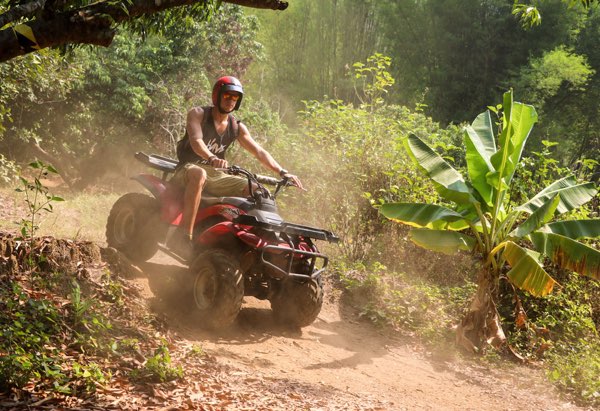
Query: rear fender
x,y
169,196
152,183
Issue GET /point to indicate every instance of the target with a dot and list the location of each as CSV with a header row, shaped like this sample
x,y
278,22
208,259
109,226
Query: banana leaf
x,y
575,229
480,146
420,215
538,218
568,253
526,271
448,182
447,242
572,195
519,119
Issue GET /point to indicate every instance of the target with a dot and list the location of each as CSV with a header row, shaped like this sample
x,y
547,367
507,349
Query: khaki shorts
x,y
218,183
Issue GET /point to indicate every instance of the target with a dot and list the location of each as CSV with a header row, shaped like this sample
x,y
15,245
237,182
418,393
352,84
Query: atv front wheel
x,y
298,303
133,226
218,288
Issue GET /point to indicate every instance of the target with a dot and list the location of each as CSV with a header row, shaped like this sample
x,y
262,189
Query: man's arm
x,y
262,155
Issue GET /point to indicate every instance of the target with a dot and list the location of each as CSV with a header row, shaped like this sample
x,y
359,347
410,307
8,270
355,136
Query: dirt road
x,y
342,362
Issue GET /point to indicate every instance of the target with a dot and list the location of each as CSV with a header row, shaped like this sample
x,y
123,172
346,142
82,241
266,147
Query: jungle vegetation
x,y
348,91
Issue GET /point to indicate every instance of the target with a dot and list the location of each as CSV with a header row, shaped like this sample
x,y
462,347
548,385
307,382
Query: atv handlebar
x,y
257,178
237,170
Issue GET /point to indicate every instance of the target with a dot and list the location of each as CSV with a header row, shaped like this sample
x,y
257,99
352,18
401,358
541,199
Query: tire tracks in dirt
x,y
353,364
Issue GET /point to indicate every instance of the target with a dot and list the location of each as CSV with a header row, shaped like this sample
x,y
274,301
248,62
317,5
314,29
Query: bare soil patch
x,y
343,362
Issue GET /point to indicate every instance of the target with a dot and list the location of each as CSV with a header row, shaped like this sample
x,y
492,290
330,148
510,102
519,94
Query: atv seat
x,y
169,165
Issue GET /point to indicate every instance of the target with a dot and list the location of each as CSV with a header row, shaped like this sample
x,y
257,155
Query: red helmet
x,y
227,83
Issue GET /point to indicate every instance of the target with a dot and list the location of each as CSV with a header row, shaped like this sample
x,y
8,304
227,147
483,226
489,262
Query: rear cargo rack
x,y
164,164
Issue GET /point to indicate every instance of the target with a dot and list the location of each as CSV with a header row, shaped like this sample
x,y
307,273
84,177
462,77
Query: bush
x,y
407,304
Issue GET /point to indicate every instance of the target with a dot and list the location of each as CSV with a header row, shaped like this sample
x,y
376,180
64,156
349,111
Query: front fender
x,y
217,233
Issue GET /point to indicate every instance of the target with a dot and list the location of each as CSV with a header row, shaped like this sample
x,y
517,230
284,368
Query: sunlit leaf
x,y
420,215
526,271
447,181
538,218
574,229
518,121
480,146
447,242
572,195
568,253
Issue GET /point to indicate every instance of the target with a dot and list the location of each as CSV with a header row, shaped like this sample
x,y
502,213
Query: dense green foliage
x,y
353,161
452,56
113,101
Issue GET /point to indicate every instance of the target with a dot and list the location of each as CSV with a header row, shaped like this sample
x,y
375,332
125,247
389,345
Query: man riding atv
x,y
235,243
209,133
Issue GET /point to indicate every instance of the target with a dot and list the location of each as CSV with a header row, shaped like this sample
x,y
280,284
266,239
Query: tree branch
x,y
261,4
22,10
91,24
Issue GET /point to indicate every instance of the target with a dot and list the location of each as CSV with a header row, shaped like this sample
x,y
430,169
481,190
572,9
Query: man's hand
x,y
294,180
217,162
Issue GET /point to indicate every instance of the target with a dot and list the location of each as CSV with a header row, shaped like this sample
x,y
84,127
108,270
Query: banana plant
x,y
509,241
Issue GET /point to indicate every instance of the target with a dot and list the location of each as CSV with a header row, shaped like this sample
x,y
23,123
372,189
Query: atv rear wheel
x,y
133,226
298,303
218,288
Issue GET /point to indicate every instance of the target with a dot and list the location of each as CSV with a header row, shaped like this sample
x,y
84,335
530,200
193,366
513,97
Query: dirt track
x,y
346,362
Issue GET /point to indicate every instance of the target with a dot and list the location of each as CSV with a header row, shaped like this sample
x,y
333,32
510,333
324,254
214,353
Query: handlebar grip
x,y
267,180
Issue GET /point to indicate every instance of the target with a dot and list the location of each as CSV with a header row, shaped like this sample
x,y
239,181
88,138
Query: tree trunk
x,y
481,326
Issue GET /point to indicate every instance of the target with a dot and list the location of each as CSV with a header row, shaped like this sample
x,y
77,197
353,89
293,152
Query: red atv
x,y
242,246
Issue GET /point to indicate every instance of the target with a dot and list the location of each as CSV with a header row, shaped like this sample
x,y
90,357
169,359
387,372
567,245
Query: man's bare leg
x,y
180,241
196,178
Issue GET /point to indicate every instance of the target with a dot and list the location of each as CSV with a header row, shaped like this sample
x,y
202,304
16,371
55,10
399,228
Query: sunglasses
x,y
231,96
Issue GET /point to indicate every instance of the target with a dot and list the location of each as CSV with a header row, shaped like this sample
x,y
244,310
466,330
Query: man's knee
x,y
196,176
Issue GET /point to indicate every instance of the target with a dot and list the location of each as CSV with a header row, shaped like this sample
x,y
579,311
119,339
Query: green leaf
x,y
447,181
51,168
526,272
518,121
420,215
57,198
538,218
568,253
447,242
480,146
574,229
572,195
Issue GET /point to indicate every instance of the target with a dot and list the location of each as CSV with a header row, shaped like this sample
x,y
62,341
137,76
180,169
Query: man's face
x,y
228,100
